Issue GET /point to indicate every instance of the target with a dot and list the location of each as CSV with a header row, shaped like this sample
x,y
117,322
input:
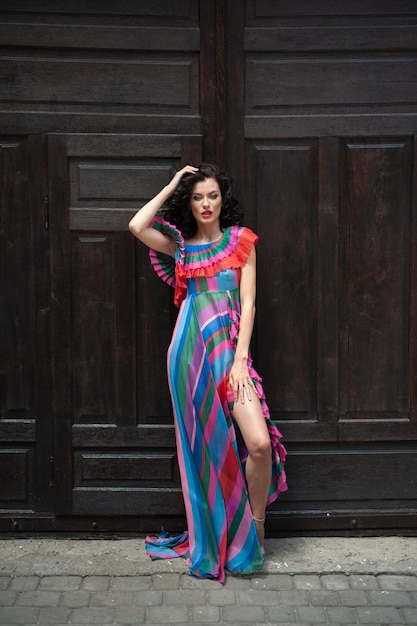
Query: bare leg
x,y
252,425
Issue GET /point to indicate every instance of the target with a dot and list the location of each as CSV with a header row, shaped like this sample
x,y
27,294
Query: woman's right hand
x,y
178,175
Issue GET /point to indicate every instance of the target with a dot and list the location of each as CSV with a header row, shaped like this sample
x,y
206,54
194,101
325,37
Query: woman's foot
x,y
260,531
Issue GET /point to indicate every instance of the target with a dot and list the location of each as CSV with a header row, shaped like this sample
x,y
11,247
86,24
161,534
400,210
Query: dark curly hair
x,y
177,206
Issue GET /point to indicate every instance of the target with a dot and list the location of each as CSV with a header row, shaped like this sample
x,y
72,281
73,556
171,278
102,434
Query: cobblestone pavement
x,y
175,598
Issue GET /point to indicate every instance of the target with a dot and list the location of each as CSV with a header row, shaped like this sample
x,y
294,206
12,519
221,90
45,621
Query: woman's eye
x,y
196,198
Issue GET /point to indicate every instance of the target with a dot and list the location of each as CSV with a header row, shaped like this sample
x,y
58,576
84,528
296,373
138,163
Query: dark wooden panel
x,y
340,123
100,36
285,217
280,81
375,265
116,468
336,38
379,477
16,484
119,327
111,175
328,279
106,68
324,8
25,412
152,502
18,429
102,327
130,8
16,287
97,81
148,435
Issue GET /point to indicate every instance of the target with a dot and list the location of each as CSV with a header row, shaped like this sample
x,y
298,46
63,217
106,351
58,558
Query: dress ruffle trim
x,y
164,264
230,251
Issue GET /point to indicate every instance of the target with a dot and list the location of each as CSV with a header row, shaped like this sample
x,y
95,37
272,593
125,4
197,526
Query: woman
x,y
230,458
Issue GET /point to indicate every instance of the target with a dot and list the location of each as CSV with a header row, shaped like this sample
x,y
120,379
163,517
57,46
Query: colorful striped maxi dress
x,y
221,534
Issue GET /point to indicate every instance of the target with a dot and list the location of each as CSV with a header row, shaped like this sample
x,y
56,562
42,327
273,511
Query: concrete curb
x,y
127,557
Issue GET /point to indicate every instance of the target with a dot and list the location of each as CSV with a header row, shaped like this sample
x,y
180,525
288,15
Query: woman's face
x,y
206,201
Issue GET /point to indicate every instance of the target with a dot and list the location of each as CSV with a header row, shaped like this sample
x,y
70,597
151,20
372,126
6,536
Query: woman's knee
x,y
260,446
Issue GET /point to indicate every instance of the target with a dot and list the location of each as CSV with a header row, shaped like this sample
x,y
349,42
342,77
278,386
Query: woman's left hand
x,y
241,382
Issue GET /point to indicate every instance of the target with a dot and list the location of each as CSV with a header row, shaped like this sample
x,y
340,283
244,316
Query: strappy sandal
x,y
260,521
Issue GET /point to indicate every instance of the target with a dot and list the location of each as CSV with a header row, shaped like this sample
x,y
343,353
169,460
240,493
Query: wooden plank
x,y
98,81
276,81
148,435
39,120
99,36
365,121
17,491
60,324
179,9
343,477
374,306
327,8
111,469
287,342
331,38
328,279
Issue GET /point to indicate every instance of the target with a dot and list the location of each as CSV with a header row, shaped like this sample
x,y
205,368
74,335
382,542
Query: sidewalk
x,y
306,581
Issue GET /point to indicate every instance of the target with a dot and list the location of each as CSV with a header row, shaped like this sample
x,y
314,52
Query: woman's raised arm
x,y
139,224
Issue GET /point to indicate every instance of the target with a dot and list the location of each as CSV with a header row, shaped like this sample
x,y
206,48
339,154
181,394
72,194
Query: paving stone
x,y
96,583
186,597
54,615
221,597
38,598
260,597
8,597
281,614
390,598
294,598
166,614
131,583
311,615
353,597
152,597
92,616
335,582
410,615
130,615
191,582
324,598
4,582
166,581
378,615
243,614
393,583
76,599
60,583
237,583
274,581
205,614
112,598
363,581
25,583
11,615
341,615
307,582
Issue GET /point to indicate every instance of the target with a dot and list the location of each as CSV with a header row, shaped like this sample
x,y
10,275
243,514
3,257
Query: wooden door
x,y
311,107
112,320
322,128
25,375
